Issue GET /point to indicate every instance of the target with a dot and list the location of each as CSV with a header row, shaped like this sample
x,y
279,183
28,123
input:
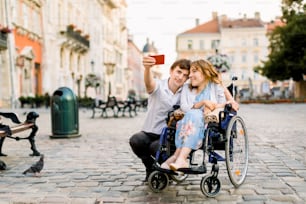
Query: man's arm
x,y
148,63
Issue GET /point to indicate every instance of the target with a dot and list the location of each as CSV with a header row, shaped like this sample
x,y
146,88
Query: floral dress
x,y
190,130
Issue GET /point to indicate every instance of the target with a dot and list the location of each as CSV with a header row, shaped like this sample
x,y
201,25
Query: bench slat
x,y
17,128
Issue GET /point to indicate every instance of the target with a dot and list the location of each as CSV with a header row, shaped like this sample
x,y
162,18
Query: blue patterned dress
x,y
190,129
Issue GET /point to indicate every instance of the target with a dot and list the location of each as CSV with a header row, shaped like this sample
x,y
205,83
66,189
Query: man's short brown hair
x,y
181,63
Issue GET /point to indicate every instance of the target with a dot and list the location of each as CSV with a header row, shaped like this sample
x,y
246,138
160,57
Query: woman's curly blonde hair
x,y
208,70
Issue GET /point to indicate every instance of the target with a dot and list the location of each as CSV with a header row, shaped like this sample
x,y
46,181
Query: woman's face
x,y
196,76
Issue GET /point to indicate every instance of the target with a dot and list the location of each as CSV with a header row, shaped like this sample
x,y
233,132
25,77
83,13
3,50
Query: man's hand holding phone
x,y
150,61
159,59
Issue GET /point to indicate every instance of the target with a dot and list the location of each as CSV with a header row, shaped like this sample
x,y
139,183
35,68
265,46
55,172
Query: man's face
x,y
178,76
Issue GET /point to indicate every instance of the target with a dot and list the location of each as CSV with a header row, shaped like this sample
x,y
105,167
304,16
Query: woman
x,y
204,93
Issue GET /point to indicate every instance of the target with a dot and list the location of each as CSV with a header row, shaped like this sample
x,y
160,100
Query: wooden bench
x,y
129,105
111,103
117,106
10,130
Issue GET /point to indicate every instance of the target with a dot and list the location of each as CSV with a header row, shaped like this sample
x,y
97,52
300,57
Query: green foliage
x,y
287,58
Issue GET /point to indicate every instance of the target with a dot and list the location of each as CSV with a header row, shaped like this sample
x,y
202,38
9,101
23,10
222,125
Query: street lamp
x,y
92,66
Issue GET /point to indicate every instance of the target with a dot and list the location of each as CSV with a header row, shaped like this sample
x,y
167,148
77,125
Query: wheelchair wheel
x,y
158,181
179,178
210,186
236,151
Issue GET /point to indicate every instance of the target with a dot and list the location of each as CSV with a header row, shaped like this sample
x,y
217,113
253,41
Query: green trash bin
x,y
64,114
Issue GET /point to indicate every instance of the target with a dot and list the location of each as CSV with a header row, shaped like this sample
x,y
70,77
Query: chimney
x,y
214,15
257,15
197,22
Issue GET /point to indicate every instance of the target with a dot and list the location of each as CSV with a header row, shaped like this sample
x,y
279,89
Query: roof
x,y
149,47
242,23
273,24
213,26
208,27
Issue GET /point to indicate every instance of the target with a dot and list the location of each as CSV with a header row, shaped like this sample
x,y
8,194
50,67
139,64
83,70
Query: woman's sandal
x,y
181,164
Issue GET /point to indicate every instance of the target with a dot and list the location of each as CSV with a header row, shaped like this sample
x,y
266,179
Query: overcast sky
x,y
162,20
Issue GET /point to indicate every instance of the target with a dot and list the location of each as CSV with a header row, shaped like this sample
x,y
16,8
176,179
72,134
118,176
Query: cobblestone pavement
x,y
99,167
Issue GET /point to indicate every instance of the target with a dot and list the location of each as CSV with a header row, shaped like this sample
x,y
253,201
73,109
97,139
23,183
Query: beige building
x,y
91,39
79,39
243,40
115,41
5,80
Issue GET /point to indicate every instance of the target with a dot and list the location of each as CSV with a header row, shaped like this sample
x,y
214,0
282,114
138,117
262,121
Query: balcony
x,y
111,3
74,38
77,36
3,41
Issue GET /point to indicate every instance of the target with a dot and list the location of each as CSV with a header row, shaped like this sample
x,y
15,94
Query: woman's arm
x,y
187,98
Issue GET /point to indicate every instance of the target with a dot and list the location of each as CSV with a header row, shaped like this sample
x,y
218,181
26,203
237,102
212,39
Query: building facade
x,y
135,69
62,43
5,37
243,40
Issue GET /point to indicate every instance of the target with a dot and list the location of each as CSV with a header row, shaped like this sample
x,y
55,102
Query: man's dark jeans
x,y
144,145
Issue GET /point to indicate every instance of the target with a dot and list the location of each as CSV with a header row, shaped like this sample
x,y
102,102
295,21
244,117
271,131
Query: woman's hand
x,y
234,104
210,105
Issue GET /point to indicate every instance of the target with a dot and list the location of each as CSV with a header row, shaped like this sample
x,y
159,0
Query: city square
x,y
99,166
82,77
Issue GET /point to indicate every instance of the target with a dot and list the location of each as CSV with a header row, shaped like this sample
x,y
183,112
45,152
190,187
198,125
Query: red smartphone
x,y
160,59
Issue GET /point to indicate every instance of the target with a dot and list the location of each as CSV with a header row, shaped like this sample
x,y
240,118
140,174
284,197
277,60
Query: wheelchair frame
x,y
229,134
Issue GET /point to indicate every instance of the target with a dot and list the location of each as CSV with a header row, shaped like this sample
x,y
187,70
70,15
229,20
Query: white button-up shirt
x,y
160,102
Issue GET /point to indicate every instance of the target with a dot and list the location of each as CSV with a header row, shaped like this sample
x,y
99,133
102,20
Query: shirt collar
x,y
168,89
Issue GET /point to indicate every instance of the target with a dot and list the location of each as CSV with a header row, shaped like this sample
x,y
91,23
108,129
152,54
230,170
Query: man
x,y
163,95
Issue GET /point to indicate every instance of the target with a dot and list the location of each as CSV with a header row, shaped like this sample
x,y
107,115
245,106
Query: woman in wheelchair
x,y
203,95
224,140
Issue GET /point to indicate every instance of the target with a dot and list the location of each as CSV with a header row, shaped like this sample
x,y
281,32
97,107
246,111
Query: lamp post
x,y
92,66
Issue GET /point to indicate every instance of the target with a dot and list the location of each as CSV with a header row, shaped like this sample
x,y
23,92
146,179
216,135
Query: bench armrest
x,y
12,116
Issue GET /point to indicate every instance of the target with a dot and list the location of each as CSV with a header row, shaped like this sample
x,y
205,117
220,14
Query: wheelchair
x,y
229,134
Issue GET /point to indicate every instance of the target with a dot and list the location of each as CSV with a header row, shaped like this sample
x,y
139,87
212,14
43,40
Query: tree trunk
x,y
300,89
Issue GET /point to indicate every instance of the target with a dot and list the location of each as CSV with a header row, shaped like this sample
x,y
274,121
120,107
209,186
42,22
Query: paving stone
x,y
100,167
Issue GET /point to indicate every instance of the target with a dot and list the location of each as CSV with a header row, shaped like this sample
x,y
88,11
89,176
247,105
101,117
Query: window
x,y
189,44
243,75
215,44
62,59
244,57
202,45
255,41
243,43
25,16
232,57
256,59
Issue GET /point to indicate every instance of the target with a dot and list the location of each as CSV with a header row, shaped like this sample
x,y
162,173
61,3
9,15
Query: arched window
x,y
62,58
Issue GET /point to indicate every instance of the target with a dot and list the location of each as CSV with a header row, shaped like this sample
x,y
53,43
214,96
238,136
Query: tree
x,y
92,80
287,58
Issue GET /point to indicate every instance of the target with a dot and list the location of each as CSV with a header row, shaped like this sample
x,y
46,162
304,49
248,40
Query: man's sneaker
x,y
147,176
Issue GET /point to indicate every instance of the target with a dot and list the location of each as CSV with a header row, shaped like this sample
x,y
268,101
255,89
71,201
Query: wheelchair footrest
x,y
194,170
